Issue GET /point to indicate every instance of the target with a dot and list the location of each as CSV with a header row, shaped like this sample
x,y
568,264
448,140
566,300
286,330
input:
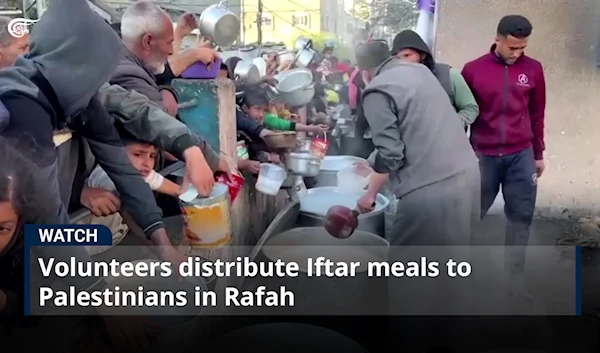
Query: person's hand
x,y
318,129
169,101
366,203
284,65
127,332
274,158
186,23
249,166
265,132
539,167
271,59
99,201
205,55
225,165
205,42
197,172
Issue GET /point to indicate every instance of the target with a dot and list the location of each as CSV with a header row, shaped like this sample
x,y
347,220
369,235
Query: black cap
x,y
409,39
371,54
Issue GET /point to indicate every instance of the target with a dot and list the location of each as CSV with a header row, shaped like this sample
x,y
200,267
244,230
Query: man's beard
x,y
158,67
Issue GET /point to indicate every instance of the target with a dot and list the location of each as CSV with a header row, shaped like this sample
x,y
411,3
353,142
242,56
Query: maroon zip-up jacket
x,y
512,100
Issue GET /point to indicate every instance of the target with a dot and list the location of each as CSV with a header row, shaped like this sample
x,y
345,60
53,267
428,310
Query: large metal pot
x,y
169,317
246,72
322,295
315,204
299,97
304,164
304,58
331,165
219,24
295,87
302,43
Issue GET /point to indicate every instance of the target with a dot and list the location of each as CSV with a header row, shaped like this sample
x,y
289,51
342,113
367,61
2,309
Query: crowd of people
x,y
90,126
88,117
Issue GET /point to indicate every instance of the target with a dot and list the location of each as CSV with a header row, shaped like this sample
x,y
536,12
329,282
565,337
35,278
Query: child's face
x,y
142,156
222,73
8,223
256,112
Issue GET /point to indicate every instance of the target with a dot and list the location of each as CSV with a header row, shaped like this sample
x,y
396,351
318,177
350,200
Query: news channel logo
x,y
19,27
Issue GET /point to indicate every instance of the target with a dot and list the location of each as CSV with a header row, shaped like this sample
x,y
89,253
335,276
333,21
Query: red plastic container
x,y
235,183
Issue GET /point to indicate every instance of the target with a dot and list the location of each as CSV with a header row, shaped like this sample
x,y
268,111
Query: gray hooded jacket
x,y
73,53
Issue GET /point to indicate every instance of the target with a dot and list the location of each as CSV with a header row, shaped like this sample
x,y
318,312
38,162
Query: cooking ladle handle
x,y
356,212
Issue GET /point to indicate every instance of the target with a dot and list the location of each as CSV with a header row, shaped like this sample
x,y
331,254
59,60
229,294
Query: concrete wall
x,y
564,39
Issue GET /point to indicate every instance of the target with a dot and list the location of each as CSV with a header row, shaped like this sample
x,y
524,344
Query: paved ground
x,y
546,232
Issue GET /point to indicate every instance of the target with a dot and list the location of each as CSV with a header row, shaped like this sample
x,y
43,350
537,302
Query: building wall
x,y
336,19
564,39
281,15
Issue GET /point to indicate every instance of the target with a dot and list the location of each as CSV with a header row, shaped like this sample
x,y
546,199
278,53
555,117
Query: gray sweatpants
x,y
441,214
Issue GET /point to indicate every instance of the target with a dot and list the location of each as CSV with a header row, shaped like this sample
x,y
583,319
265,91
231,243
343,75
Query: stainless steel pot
x,y
323,294
246,72
295,87
304,58
331,165
304,145
304,164
373,222
302,43
158,283
299,97
219,24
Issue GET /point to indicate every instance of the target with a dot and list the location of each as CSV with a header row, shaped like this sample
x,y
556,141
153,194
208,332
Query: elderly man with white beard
x,y
148,35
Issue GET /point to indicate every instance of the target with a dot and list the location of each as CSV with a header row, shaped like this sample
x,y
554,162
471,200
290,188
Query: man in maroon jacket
x,y
508,135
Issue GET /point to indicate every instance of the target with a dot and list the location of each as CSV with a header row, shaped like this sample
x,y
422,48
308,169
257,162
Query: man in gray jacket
x,y
433,172
146,54
421,150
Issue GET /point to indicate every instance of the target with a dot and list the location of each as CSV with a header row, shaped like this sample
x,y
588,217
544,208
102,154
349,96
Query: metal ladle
x,y
341,222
